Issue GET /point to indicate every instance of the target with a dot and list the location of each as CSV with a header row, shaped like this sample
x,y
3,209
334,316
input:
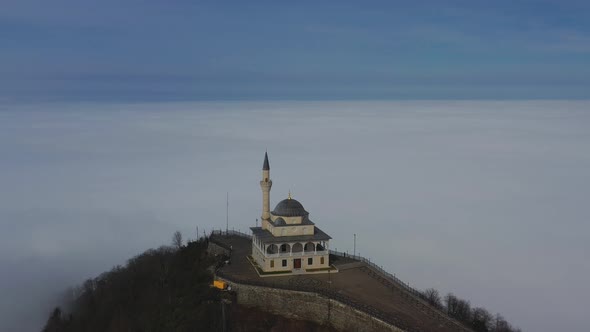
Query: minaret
x,y
265,185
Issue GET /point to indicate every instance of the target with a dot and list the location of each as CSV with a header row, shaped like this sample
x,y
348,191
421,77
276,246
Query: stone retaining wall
x,y
310,307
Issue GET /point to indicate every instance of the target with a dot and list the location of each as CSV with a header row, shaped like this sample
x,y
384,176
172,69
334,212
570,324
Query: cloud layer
x,y
484,199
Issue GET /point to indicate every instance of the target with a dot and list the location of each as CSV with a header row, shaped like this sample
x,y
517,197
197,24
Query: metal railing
x,y
393,278
390,280
230,232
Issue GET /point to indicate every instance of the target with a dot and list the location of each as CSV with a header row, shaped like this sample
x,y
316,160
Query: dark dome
x,y
280,222
289,208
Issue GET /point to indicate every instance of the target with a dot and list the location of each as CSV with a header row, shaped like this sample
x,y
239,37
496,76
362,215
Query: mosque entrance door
x,y
297,263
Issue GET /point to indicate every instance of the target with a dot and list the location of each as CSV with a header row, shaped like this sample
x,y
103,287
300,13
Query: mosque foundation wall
x,y
310,307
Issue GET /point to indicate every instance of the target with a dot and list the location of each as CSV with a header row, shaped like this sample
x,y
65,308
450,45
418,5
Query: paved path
x,y
355,281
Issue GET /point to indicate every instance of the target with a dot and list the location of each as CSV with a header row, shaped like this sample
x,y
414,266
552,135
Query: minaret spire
x,y
266,166
265,185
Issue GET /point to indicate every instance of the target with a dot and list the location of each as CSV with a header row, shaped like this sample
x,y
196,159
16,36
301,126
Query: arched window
x,y
272,249
309,247
285,248
297,247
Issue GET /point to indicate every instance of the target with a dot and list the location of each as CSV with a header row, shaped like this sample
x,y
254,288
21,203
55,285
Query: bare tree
x,y
433,297
451,304
463,311
458,308
481,320
501,325
177,239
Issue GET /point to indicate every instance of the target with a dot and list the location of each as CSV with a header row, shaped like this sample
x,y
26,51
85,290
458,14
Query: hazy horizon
x,y
484,199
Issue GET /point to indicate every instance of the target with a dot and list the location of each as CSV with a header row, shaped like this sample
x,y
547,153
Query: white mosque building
x,y
287,240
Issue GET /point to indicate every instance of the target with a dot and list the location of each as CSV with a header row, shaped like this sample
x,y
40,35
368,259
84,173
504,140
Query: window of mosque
x,y
272,263
310,261
322,260
284,262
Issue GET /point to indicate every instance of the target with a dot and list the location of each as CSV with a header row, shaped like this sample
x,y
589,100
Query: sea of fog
x,y
485,199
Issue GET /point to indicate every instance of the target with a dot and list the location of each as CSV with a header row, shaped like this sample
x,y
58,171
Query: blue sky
x,y
188,50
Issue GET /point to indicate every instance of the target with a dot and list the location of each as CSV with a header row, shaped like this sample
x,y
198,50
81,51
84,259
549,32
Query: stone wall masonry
x,y
308,306
215,249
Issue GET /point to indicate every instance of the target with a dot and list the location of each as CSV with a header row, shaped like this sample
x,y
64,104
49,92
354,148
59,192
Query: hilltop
x,y
169,289
165,289
357,296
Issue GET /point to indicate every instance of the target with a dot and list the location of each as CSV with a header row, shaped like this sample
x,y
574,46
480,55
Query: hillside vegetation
x,y
165,289
479,319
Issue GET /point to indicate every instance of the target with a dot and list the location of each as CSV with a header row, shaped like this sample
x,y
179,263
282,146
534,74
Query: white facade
x,y
287,239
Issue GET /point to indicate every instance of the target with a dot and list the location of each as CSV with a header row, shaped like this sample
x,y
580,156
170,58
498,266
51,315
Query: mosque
x,y
287,241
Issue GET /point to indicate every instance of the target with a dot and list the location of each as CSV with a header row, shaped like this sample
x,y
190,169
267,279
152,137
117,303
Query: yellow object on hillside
x,y
220,284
